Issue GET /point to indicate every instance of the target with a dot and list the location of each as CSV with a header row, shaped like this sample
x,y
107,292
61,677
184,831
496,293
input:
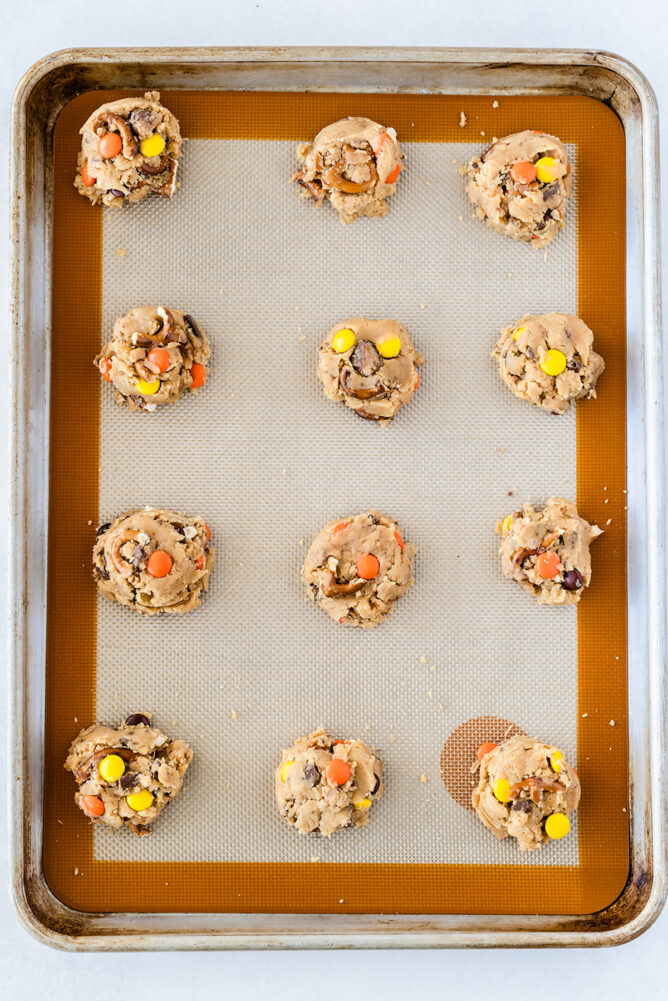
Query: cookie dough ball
x,y
154,356
355,163
526,790
324,784
153,561
549,360
547,551
370,366
356,568
126,777
521,185
129,149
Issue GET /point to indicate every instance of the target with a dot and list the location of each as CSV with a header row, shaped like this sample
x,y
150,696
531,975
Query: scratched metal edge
x,y
39,96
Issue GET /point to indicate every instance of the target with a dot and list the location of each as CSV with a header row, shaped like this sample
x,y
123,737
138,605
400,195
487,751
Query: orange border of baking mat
x,y
70,868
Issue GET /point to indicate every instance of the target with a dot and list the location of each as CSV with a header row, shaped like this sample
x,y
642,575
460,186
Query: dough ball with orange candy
x,y
521,186
546,550
323,784
127,776
129,149
526,790
357,567
355,163
370,365
154,560
154,356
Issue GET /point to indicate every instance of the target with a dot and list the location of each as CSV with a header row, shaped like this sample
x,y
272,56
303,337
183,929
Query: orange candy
x,y
417,382
485,749
199,562
523,172
92,806
208,532
548,564
198,375
339,528
391,178
85,176
367,566
400,541
338,771
160,358
105,368
110,145
159,563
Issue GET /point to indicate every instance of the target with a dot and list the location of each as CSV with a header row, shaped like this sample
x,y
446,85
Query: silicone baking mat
x,y
266,459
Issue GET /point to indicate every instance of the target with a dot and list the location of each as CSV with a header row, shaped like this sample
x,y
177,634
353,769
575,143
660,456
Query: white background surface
x,y
31,30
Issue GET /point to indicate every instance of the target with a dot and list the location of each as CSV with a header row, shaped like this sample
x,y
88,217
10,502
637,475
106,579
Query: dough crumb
x,y
76,871
462,120
612,722
121,253
315,858
482,133
423,777
495,104
584,715
609,521
233,713
423,660
303,337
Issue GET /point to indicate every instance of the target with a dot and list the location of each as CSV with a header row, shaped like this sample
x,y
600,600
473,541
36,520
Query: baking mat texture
x,y
267,460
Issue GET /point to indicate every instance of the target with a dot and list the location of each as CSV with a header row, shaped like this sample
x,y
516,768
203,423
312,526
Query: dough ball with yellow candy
x,y
154,356
325,783
526,790
127,774
549,360
370,366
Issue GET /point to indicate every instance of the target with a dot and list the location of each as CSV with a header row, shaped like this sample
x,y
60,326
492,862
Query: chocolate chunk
x,y
103,528
574,366
102,573
521,806
115,191
376,786
194,329
127,781
138,556
365,359
550,190
529,353
311,773
137,719
572,580
144,121
541,225
372,518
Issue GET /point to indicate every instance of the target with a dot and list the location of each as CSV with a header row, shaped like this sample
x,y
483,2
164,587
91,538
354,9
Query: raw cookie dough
x,y
549,360
357,567
547,551
522,784
521,185
153,560
126,777
324,784
140,156
370,366
355,163
154,356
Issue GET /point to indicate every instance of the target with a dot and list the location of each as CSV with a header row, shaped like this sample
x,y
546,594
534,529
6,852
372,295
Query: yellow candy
x,y
507,523
139,801
553,363
546,169
152,145
112,767
284,769
518,332
557,826
363,804
555,758
501,790
343,341
148,388
389,348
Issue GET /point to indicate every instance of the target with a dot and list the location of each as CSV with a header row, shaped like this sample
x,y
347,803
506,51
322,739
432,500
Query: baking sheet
x,y
453,455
